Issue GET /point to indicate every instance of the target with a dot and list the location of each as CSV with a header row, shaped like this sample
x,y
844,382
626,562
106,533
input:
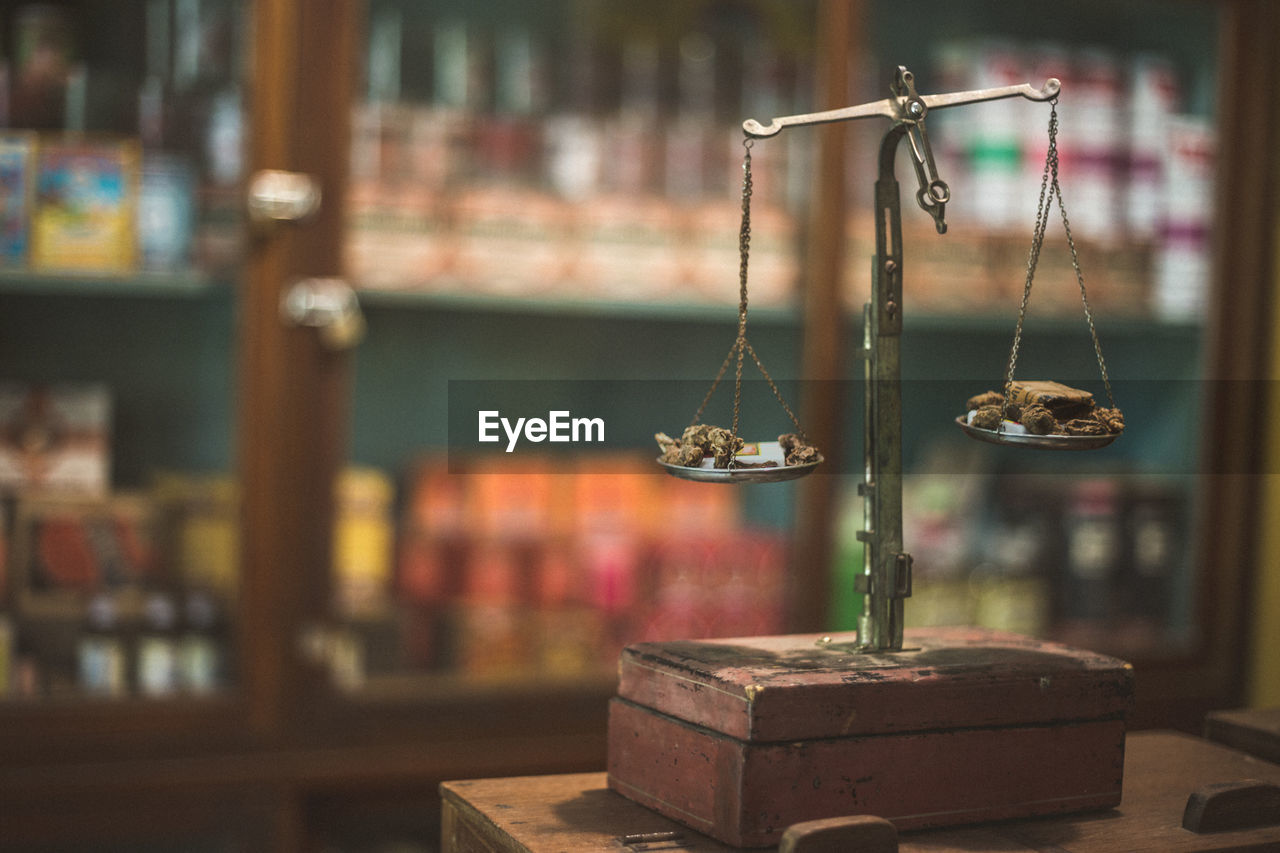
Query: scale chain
x,y
744,254
740,345
1050,188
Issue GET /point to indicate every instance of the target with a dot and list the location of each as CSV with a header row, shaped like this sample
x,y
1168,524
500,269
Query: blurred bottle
x,y
363,542
200,647
1153,100
44,48
1182,268
995,153
204,118
691,166
1154,519
156,651
7,655
1093,146
1092,526
633,133
510,140
102,664
574,146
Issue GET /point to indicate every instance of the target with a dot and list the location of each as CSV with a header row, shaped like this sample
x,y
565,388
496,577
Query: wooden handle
x,y
1232,805
856,834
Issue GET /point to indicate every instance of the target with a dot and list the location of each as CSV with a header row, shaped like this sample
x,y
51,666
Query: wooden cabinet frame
x,y
283,735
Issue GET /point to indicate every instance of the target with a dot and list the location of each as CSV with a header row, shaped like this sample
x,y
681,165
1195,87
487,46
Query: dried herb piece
x,y
1084,426
697,434
1112,419
986,398
797,451
1046,408
678,453
1038,420
988,417
702,440
722,445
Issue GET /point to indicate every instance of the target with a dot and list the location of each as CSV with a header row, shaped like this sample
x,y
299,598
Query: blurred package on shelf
x,y
66,548
363,545
85,217
55,438
125,594
17,195
1089,560
1183,262
605,175
1092,146
1137,177
1092,529
166,212
1154,99
510,241
546,570
995,141
43,40
8,675
201,533
128,172
103,206
1010,583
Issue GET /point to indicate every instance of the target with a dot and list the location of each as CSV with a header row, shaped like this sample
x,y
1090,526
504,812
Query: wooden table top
x,y
577,812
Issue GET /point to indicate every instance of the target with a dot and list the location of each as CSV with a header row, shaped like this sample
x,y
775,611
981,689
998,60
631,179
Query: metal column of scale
x,y
886,579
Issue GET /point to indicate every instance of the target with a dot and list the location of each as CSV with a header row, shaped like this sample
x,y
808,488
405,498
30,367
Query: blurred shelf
x,y
584,306
989,322
178,284
985,322
450,688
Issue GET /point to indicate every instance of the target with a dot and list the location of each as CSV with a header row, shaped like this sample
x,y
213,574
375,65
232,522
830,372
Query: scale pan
x,y
767,451
1036,442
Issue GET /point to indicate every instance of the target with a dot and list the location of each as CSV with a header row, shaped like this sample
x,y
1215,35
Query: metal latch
x,y
328,305
645,841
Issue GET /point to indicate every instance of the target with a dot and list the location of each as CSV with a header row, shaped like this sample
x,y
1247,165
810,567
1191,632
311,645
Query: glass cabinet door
x,y
122,154
1096,549
544,213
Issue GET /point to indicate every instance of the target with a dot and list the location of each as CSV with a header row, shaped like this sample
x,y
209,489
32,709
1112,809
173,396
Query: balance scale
x,y
741,738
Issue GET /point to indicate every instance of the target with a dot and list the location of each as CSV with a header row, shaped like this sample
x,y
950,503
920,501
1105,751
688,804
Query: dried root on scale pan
x,y
1045,408
700,441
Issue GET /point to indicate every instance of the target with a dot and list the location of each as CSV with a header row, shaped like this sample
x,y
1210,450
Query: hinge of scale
x,y
902,575
865,584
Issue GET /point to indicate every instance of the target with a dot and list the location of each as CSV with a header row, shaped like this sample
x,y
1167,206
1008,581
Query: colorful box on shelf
x,y
85,216
67,548
55,438
17,160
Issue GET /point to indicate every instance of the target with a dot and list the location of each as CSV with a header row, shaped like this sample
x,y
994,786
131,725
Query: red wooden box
x,y
741,738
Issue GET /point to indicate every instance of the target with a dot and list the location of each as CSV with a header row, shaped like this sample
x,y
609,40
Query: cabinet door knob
x,y
328,305
279,196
